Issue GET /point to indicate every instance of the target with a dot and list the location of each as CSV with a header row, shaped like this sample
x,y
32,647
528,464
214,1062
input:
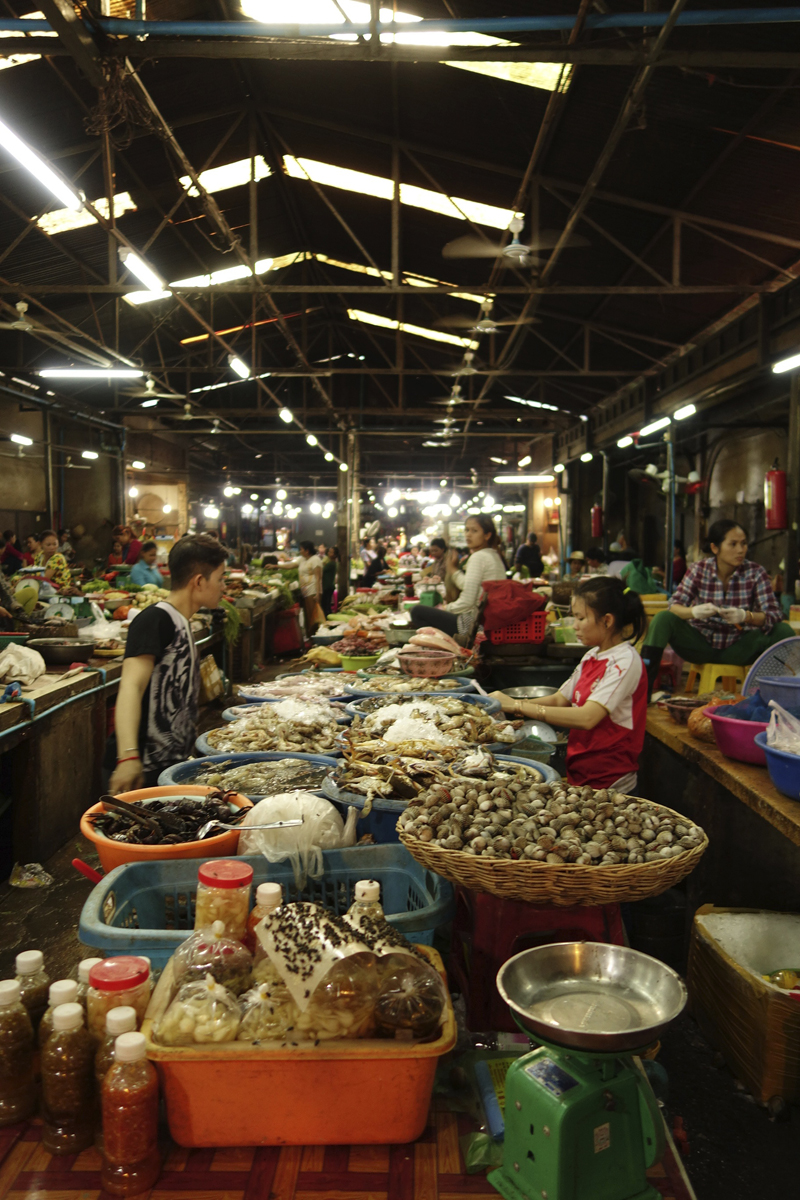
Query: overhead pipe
x,y
503,26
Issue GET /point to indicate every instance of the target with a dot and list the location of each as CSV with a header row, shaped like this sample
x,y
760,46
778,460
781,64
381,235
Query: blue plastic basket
x,y
783,767
148,908
229,714
185,772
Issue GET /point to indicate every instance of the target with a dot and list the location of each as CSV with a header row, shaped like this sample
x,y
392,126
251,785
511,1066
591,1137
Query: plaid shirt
x,y
749,587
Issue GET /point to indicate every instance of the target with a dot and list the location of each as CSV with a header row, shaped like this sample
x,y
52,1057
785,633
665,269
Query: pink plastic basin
x,y
736,739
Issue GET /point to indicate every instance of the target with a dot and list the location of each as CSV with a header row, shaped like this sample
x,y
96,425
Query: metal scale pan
x,y
590,996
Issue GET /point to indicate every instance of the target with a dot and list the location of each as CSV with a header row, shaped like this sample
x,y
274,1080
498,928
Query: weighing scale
x,y
581,1120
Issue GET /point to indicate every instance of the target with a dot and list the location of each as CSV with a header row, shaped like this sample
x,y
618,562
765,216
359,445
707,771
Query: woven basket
x,y
561,887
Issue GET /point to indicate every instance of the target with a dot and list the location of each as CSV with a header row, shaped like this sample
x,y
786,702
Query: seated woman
x,y
376,566
484,563
723,611
55,566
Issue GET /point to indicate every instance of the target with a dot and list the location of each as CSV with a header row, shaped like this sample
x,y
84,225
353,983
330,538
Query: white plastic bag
x,y
783,731
99,631
322,829
22,664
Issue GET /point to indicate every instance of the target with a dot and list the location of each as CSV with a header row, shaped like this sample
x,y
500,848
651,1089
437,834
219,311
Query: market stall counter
x,y
753,829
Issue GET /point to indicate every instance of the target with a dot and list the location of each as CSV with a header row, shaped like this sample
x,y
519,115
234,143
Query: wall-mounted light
x,y
138,465
90,454
681,414
21,440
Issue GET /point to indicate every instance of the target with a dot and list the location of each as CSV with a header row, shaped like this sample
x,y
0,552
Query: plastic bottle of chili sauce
x,y
131,1161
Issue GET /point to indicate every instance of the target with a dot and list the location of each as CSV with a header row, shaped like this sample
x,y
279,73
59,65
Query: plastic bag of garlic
x,y
507,816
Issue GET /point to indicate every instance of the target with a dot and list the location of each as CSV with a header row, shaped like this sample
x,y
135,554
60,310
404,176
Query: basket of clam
x,y
549,843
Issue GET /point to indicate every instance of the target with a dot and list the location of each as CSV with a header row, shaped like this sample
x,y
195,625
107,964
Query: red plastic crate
x,y
488,931
532,630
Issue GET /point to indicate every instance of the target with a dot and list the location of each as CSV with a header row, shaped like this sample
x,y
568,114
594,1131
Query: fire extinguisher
x,y
597,521
775,498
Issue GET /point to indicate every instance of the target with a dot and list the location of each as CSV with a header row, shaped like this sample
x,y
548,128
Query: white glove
x,y
734,616
701,612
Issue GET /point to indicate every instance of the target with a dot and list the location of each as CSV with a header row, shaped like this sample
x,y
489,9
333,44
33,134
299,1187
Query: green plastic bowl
x,y
359,663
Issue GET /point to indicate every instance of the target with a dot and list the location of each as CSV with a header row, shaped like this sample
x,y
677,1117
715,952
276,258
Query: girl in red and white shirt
x,y
604,702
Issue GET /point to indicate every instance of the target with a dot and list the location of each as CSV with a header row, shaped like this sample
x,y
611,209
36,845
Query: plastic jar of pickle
x,y
34,983
63,991
223,894
17,1084
68,1088
84,967
115,982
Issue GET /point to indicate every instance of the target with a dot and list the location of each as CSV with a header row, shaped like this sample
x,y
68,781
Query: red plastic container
x,y
532,630
286,637
488,931
736,739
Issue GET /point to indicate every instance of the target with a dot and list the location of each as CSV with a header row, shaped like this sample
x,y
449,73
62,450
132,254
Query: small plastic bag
x,y
411,997
202,1012
302,845
783,731
209,952
267,1010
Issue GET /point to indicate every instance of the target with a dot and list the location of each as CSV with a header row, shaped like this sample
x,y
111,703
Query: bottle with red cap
x,y
131,1161
223,894
115,982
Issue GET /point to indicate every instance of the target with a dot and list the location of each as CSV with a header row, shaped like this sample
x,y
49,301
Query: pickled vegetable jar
x,y
115,982
68,1088
131,1161
223,894
17,1084
63,991
34,983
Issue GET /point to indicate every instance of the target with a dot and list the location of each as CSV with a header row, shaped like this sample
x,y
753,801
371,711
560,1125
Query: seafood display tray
x,y
148,908
185,772
230,714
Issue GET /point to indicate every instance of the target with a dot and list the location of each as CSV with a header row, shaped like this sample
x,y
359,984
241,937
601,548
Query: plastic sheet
x,y
783,731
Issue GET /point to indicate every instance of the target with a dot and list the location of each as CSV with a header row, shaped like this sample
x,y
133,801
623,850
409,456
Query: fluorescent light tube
x,y
587,456
31,161
91,454
138,465
625,441
681,414
786,364
525,462
21,440
241,368
489,500
143,272
654,426
311,439
286,415
91,373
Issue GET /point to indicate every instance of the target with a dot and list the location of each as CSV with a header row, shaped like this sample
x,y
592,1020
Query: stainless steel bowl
x,y
529,693
591,996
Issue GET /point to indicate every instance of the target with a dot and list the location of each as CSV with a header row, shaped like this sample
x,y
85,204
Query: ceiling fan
x,y
516,253
486,323
466,367
188,415
25,324
148,392
454,398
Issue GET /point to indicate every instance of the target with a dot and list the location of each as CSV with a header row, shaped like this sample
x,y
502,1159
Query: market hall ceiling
x,y
330,207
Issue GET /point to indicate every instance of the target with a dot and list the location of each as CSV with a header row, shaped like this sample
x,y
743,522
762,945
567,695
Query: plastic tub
x,y
785,690
206,750
784,768
378,1091
186,771
114,854
230,714
148,908
485,702
358,662
735,738
13,639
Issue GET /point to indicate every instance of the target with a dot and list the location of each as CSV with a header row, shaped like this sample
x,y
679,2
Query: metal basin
x,y
531,692
62,651
590,996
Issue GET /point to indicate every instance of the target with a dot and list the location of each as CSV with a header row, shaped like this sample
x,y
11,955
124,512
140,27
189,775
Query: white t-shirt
x,y
305,574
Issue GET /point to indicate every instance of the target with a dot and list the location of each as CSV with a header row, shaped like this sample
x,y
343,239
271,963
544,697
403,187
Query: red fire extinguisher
x,y
775,498
597,521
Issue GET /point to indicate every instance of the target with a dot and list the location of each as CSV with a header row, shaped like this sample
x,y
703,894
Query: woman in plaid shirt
x,y
723,611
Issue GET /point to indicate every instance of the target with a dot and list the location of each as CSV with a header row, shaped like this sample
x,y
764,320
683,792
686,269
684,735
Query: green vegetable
x,y
233,623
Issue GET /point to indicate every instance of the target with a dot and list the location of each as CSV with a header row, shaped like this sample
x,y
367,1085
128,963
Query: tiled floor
x,y
429,1169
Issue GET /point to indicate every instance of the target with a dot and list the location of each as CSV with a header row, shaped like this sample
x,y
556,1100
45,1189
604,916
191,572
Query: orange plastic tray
x,y
370,1091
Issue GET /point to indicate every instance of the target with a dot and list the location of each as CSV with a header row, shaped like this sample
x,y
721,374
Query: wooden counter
x,y
753,859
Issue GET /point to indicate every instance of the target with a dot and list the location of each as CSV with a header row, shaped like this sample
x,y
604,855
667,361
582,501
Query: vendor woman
x,y
603,704
723,611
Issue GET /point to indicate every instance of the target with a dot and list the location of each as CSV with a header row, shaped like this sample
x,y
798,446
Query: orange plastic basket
x,y
369,1090
532,630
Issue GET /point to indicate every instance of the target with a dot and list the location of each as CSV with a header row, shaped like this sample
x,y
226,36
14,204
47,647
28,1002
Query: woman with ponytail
x,y
604,702
485,562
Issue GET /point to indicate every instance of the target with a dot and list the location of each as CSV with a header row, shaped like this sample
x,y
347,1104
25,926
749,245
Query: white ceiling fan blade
x,y
471,247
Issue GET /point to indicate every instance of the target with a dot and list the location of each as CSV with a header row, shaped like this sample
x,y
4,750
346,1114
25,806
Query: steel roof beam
x,y
75,37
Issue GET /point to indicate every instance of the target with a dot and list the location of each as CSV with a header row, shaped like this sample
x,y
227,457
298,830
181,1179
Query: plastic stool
x,y
708,673
670,671
488,931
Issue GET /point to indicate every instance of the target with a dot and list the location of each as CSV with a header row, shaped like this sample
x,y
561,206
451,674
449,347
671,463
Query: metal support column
x,y
48,478
343,573
793,486
604,503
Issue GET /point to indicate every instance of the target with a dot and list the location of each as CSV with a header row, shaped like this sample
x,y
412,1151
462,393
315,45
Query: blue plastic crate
x,y
148,908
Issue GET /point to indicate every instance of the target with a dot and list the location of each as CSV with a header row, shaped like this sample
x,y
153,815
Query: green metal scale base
x,y
579,1126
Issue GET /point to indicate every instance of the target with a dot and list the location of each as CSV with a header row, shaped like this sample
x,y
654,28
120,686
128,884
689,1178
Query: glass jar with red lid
x,y
114,982
223,894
